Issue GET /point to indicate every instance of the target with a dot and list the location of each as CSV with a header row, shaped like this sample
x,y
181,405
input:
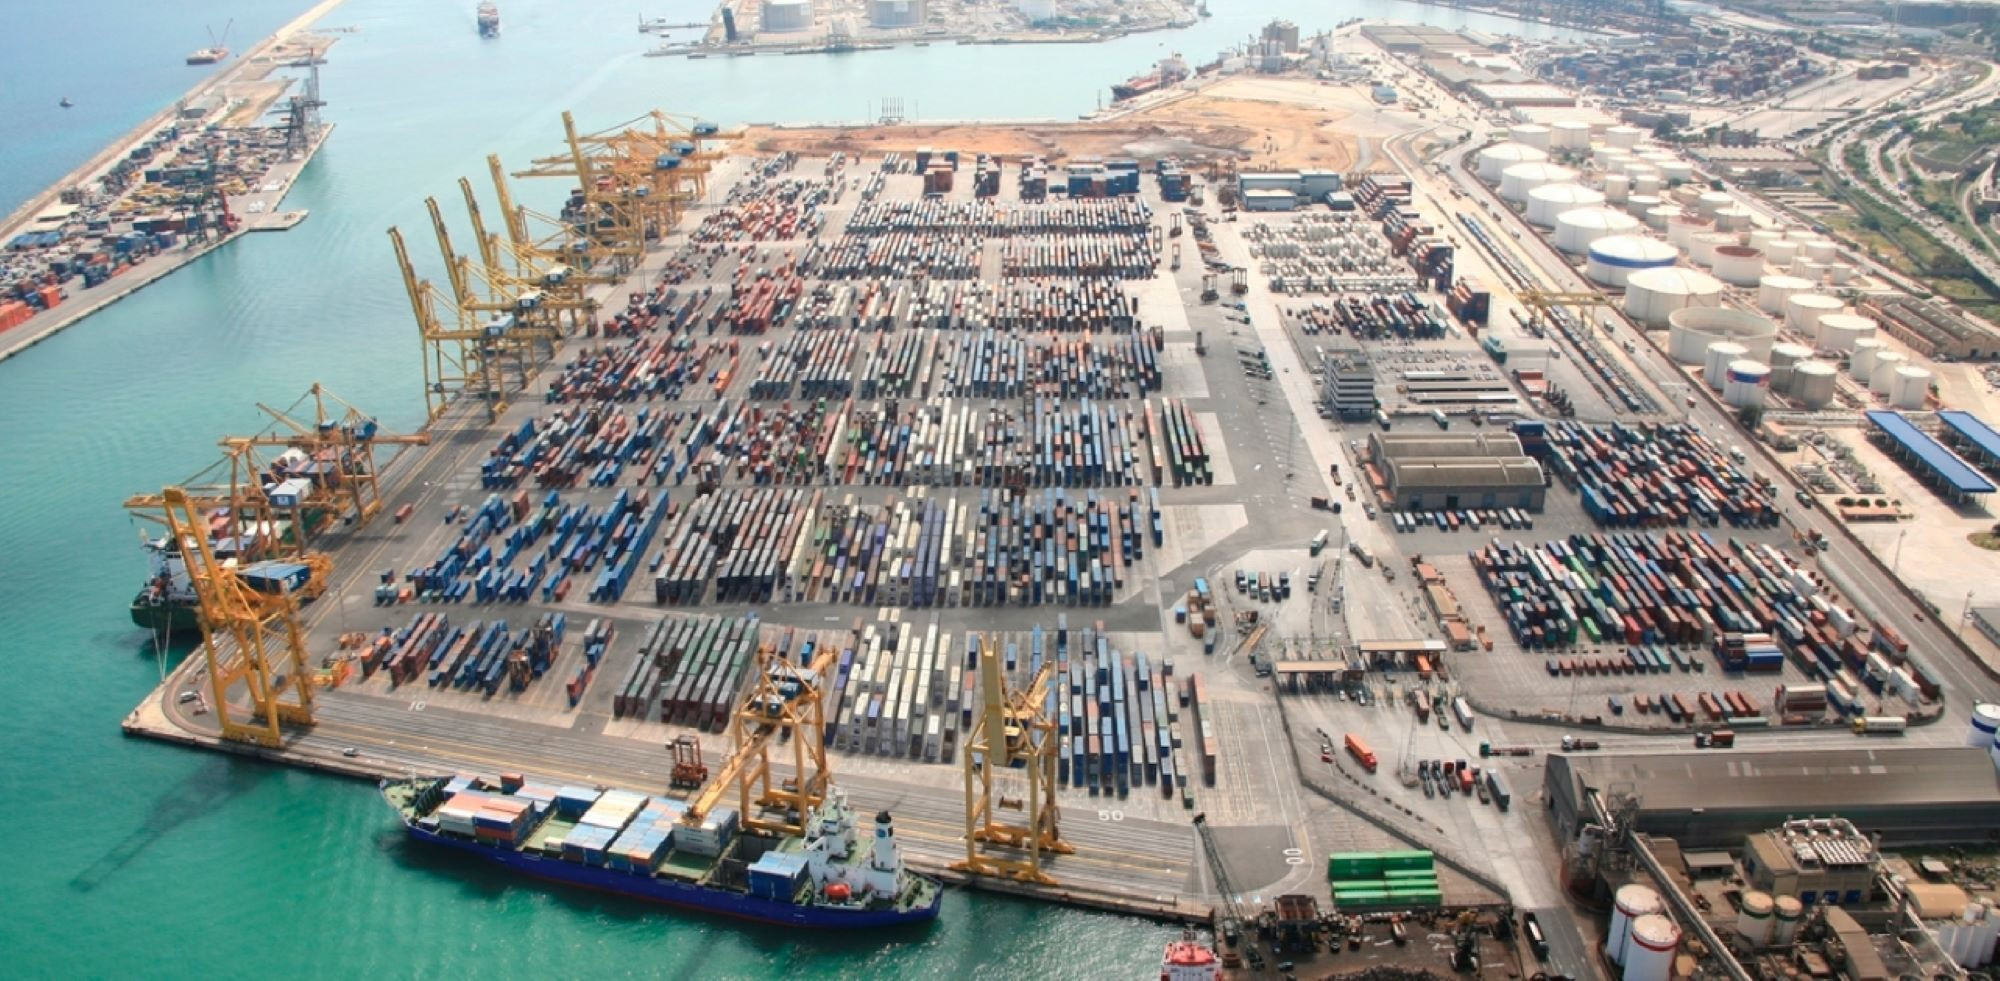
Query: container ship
x,y
1170,70
648,848
489,20
207,56
167,603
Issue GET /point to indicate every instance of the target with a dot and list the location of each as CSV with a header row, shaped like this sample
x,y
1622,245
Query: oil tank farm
x,y
1614,258
1813,384
1803,310
1652,295
1739,265
1863,360
1775,289
1576,230
1569,134
1518,181
1691,330
1909,388
1531,134
1745,383
1839,331
1549,200
1495,159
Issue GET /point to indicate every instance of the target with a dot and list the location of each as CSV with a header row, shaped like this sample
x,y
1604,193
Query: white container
x,y
1884,369
1578,228
1497,158
1550,200
1613,258
1569,134
1657,218
1803,310
1623,137
1753,919
1790,912
1631,902
1774,290
1863,361
1531,134
1739,265
1681,231
1782,252
1649,956
1909,388
1716,361
1813,384
1702,248
1839,331
1516,181
1745,382
1651,295
1985,724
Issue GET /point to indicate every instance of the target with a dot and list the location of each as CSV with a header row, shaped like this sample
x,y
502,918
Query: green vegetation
x,y
1904,245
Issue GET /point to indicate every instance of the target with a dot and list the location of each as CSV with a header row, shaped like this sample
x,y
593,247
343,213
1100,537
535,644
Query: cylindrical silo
x,y
1763,237
1631,902
1884,369
1985,725
1652,295
1782,252
1639,204
1774,290
1616,188
1716,362
1577,228
1863,361
1909,388
1613,258
1803,310
1569,134
1785,357
1681,231
1647,183
1753,333
1610,158
1521,178
1711,202
1497,158
1753,918
1702,248
1658,217
1805,268
1623,137
1840,273
1676,171
1734,218
1550,200
1530,134
1744,383
1649,956
1839,331
1789,913
1821,250
1813,384
1739,265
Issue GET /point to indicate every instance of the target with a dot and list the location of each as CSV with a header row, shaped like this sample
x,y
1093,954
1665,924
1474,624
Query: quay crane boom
x,y
1012,732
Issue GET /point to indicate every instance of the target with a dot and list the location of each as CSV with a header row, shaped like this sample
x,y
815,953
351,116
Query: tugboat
x,y
1188,959
489,20
65,103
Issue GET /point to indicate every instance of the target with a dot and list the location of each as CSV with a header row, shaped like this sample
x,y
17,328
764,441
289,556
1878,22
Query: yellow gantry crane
x,y
783,703
514,312
335,455
520,272
1547,299
560,243
248,638
1013,731
462,357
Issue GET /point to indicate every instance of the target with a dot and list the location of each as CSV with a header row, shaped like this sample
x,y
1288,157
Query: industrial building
x,y
1931,330
1269,199
1284,33
1347,384
1815,859
1429,471
1939,468
1715,800
895,13
1970,436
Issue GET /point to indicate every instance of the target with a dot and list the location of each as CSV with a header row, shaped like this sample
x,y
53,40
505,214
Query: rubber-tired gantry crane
x,y
248,638
1013,731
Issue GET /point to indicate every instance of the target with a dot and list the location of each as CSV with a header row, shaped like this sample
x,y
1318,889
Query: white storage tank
x,y
1550,200
1785,357
1753,918
1801,234
1734,218
1623,137
1521,178
1790,912
1840,273
1531,134
1681,231
1884,369
1702,248
1645,183
1985,725
1649,956
1745,382
1716,361
1652,295
1657,218
1739,265
788,15
1755,334
1763,237
1711,202
1617,187
1676,171
1611,158
1631,902
1613,258
1821,250
1576,229
1863,361
1569,134
1805,268
1639,204
1774,290
1813,384
1839,331
1803,310
1909,388
1497,158
1782,252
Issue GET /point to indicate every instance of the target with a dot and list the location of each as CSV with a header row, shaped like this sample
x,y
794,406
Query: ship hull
x,y
171,618
670,892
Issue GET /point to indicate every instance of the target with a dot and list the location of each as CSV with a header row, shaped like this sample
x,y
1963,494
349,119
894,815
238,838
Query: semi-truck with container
x,y
1463,710
1361,753
1880,725
1497,786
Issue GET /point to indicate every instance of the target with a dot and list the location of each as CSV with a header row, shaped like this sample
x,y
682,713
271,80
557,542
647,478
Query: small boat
x,y
65,103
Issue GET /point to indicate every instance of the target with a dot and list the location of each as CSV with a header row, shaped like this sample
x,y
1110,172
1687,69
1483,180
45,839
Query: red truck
x,y
1361,753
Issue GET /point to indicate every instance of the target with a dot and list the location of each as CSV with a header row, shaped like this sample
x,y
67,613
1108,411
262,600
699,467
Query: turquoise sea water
x,y
128,859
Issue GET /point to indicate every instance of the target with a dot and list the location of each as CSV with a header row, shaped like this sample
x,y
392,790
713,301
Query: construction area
x,y
947,433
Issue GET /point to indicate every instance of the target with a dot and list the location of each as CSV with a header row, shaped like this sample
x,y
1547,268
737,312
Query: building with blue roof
x,y
1970,436
1930,460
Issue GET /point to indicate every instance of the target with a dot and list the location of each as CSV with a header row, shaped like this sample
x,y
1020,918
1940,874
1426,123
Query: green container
x,y
1376,898
1407,860
1394,874
1353,865
1362,885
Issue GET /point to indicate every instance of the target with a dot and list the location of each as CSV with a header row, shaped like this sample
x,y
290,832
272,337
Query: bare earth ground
x,y
1280,123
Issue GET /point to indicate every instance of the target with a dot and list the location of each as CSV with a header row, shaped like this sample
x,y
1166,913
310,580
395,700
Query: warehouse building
x,y
1269,199
1716,800
1933,331
1347,384
1448,471
1939,468
1816,859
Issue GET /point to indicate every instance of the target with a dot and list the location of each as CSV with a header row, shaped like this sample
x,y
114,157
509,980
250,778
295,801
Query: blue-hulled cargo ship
x,y
647,848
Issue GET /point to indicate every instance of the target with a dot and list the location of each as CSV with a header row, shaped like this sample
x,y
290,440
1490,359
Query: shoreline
x,y
83,302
